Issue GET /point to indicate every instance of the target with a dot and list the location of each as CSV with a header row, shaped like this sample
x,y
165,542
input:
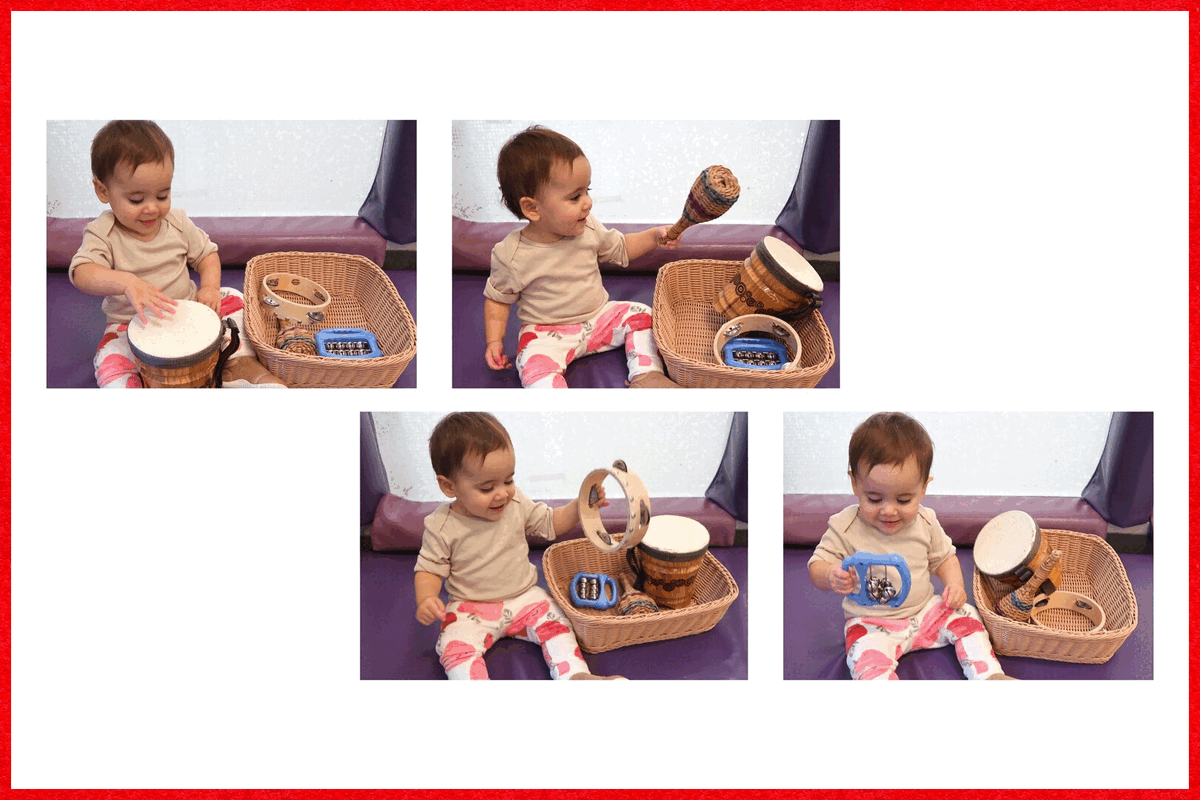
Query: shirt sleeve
x,y
502,285
539,518
199,246
831,549
94,250
940,546
612,246
434,556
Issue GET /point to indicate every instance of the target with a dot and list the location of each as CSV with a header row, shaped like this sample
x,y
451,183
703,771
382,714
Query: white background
x,y
642,169
1034,454
1014,238
233,168
556,450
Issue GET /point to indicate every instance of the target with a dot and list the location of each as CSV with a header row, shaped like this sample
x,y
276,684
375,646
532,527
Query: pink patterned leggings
x,y
114,364
544,351
470,629
874,645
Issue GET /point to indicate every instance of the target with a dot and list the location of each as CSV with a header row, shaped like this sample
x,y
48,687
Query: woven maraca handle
x,y
1018,603
295,339
712,194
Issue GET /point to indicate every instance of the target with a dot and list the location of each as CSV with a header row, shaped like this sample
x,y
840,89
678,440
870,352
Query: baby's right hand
x,y
430,610
142,295
494,355
841,581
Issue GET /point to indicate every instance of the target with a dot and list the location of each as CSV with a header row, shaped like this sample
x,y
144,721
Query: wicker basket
x,y
598,631
362,297
685,325
1090,567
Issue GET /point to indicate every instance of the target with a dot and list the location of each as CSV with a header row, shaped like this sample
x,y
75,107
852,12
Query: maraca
x,y
713,193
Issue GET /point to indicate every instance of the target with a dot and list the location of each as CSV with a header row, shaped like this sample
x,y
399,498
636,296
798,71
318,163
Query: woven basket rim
x,y
1052,634
757,379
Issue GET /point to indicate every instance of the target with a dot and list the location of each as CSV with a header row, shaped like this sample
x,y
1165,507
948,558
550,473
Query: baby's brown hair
x,y
525,162
465,434
890,437
129,141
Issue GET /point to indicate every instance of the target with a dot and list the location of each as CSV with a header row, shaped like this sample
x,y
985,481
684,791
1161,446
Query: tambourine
x,y
313,292
748,331
874,590
1068,601
639,508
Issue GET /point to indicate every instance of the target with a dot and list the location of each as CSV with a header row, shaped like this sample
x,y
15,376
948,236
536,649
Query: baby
x,y
551,270
890,458
136,255
476,545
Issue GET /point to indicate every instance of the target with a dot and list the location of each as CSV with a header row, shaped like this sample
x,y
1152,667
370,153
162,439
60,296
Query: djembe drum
x,y
712,194
774,279
1010,548
1019,602
182,350
668,559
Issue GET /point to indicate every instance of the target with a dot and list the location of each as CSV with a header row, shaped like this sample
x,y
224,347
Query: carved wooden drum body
x,y
1010,548
669,558
775,279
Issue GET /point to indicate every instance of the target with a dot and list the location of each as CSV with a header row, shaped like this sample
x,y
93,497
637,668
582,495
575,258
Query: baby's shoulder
x,y
927,514
505,251
841,521
437,522
177,218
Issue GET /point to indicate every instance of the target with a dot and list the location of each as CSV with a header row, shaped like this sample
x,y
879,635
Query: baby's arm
x,y
495,322
101,281
828,577
209,270
567,517
642,242
950,571
429,605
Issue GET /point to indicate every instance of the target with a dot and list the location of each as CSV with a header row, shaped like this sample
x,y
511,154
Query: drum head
x,y
1005,543
795,271
180,339
673,538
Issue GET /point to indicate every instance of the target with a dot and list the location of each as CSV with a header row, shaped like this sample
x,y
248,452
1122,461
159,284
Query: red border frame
x,y
543,5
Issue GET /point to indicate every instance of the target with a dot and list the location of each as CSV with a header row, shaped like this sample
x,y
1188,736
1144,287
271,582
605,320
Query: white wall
x,y
234,168
1039,454
675,455
642,169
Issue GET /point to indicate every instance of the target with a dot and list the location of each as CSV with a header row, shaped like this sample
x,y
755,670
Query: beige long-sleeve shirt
x,y
558,283
162,262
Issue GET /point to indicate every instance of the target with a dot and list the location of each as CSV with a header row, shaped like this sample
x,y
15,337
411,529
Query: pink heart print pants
x,y
545,351
874,645
470,629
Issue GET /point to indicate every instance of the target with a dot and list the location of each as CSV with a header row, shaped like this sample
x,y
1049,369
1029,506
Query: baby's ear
x,y
101,190
446,485
529,208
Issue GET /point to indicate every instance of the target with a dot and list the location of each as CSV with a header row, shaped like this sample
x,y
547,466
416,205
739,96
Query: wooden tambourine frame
x,y
758,323
639,508
310,290
1071,601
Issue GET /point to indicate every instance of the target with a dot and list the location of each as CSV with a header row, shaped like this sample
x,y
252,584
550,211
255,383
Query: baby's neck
x,y
534,233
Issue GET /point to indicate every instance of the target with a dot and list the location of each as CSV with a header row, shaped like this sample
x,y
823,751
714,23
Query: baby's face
x,y
139,198
484,488
563,202
889,494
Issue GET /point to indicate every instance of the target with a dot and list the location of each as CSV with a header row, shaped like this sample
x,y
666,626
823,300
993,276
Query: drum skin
x,y
1011,548
179,351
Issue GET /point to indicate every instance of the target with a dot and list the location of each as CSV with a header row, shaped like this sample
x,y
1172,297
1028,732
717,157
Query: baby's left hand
x,y
660,232
954,596
210,297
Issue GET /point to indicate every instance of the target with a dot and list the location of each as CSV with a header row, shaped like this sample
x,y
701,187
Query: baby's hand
x,y
210,297
431,610
601,500
143,295
660,234
494,355
954,596
841,581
